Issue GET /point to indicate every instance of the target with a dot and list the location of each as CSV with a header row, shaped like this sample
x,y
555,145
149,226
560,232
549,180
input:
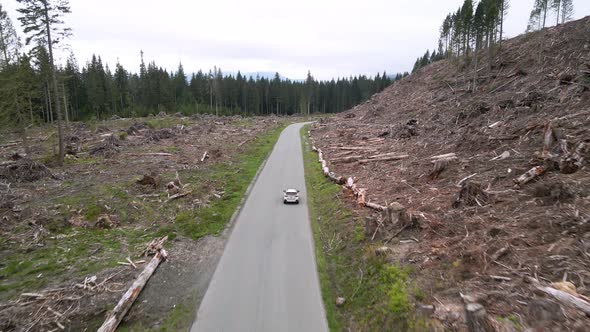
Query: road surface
x,y
266,279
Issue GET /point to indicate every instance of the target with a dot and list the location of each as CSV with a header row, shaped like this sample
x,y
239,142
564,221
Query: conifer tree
x,y
567,10
42,22
503,6
9,42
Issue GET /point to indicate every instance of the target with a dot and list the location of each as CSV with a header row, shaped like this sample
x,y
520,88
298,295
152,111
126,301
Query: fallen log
x,y
205,155
116,315
529,175
337,179
344,160
356,148
504,155
361,197
349,183
391,158
342,154
385,155
375,206
460,183
561,296
179,195
443,156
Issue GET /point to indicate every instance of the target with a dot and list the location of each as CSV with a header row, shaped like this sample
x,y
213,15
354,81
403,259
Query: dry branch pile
x,y
24,170
108,148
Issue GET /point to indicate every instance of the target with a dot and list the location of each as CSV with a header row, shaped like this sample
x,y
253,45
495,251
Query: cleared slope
x,y
540,228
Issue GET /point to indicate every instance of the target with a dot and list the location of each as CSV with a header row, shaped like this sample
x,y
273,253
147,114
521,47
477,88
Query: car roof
x,y
291,190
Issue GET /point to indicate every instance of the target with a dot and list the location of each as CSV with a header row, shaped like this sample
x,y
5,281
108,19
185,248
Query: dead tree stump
x,y
476,318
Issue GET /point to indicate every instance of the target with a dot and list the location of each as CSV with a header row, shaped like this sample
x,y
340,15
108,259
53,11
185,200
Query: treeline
x,y
95,91
472,28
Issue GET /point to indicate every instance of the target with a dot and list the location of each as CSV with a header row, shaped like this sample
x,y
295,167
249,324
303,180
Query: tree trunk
x,y
502,10
117,314
4,47
542,36
475,68
31,109
66,106
60,157
49,104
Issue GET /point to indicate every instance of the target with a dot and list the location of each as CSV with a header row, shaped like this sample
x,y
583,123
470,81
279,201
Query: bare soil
x,y
66,231
528,109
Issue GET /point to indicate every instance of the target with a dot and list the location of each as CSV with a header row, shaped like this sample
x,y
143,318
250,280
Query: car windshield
x,y
290,192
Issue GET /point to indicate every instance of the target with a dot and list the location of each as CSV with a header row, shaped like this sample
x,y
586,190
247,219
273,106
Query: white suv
x,y
291,196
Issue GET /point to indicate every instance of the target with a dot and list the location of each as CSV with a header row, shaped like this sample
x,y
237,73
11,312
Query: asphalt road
x,y
266,279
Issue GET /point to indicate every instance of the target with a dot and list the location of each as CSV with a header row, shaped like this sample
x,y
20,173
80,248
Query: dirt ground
x,y
477,230
66,232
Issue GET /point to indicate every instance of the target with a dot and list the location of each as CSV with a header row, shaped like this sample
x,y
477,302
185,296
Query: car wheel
x,y
284,201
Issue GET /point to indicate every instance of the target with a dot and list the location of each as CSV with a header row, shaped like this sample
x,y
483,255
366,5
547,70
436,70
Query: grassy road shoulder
x,y
378,294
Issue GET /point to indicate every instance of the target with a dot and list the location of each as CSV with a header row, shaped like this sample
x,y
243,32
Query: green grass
x,y
379,296
73,253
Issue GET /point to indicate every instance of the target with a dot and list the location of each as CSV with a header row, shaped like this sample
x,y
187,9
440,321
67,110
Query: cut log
x,y
375,206
391,158
443,156
361,197
460,183
337,179
116,315
344,160
391,154
356,148
504,155
530,175
205,155
349,183
342,154
173,197
566,298
561,296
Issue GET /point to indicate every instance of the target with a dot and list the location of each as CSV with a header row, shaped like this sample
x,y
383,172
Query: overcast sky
x,y
331,38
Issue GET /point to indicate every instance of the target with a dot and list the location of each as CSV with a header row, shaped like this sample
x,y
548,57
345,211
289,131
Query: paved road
x,y
266,279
